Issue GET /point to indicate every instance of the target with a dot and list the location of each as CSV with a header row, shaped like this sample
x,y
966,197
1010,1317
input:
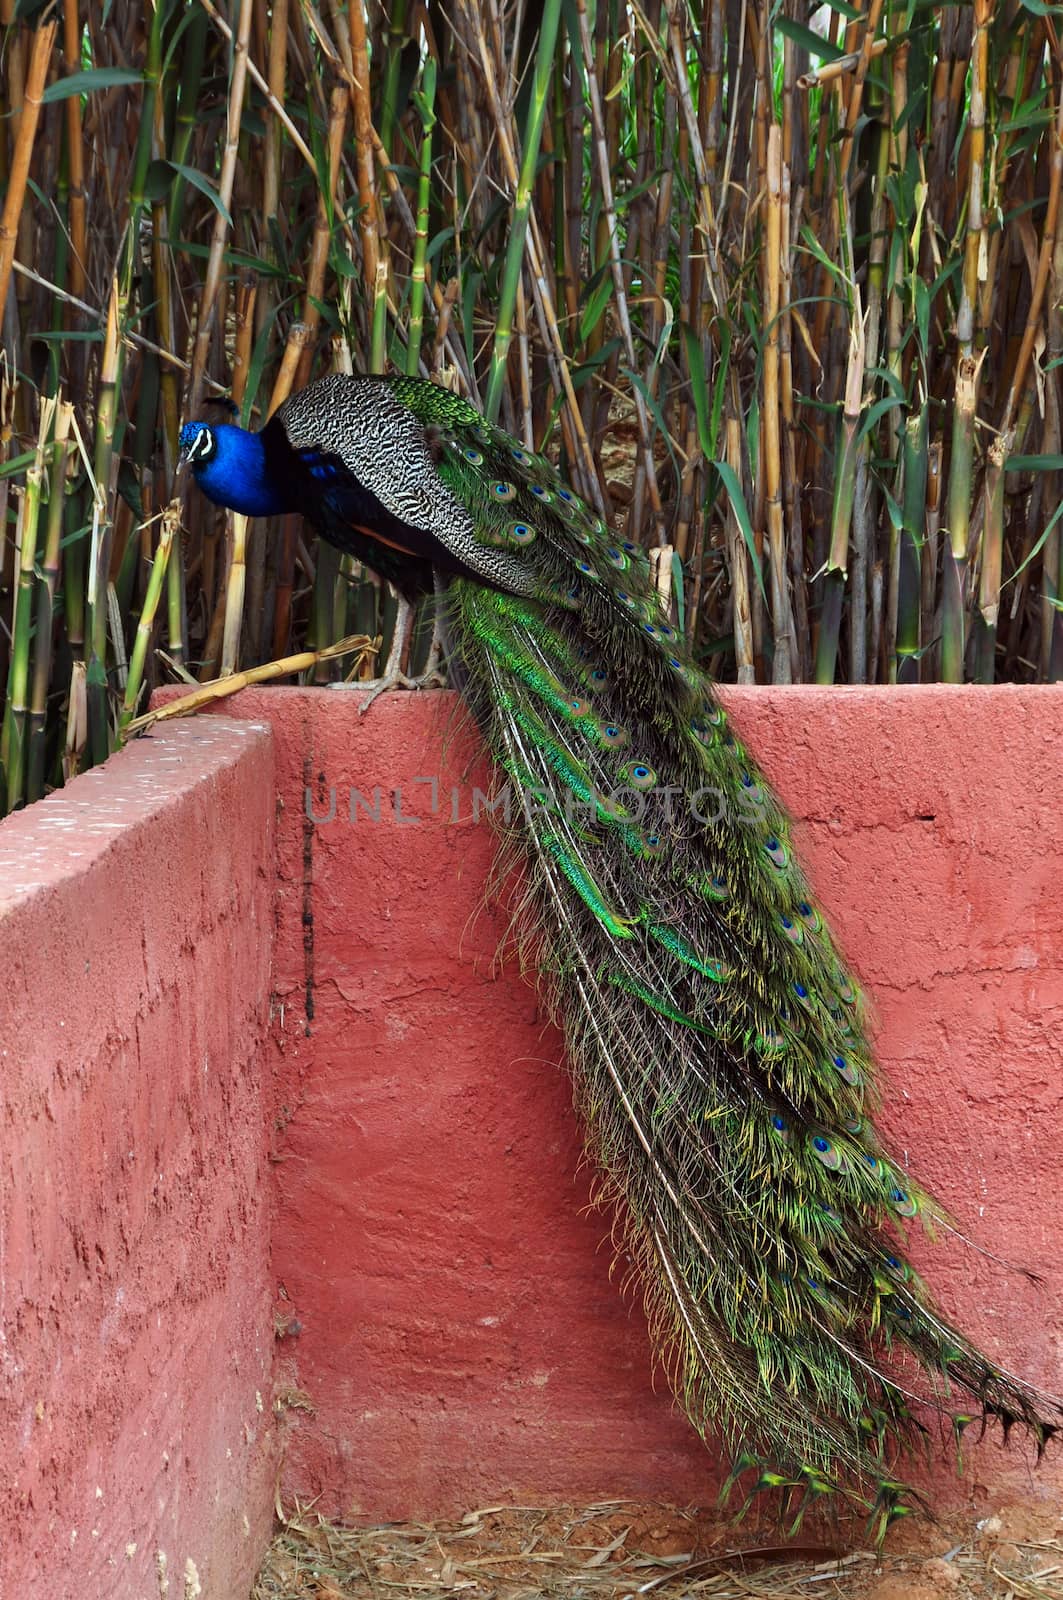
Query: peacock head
x,y
198,442
230,466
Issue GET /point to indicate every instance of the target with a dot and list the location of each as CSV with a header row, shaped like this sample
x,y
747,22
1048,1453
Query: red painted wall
x,y
456,1328
135,1298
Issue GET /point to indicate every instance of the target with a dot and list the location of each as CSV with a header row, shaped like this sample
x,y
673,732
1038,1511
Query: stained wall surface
x,y
136,1340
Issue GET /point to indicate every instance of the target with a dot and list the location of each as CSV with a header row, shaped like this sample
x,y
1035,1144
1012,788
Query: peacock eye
x,y
637,775
777,852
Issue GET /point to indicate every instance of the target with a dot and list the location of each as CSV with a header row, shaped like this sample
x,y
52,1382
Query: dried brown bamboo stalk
x,y
75,153
619,285
840,66
319,249
369,222
208,299
231,683
782,623
40,59
1044,265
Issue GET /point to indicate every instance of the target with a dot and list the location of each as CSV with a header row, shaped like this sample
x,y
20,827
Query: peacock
x,y
717,1044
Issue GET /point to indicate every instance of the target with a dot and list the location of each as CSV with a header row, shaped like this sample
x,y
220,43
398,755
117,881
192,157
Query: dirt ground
x,y
628,1549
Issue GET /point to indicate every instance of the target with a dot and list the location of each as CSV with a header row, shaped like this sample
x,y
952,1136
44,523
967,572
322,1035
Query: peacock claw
x,y
431,678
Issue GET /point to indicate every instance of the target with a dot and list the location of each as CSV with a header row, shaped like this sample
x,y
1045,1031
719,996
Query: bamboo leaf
x,y
204,185
89,81
738,505
808,39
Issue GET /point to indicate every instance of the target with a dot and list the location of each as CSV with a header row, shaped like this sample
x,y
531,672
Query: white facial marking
x,y
202,445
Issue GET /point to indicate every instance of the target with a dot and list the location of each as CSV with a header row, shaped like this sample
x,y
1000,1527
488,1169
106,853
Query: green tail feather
x,y
717,1044
718,1048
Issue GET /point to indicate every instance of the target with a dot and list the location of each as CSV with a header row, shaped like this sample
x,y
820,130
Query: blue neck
x,y
237,475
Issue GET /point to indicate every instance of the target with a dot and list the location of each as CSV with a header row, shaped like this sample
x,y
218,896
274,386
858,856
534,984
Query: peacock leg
x,y
393,677
433,669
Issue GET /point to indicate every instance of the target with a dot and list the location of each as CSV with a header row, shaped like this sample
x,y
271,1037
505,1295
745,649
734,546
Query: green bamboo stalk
x,y
909,581
326,582
959,512
518,226
193,50
104,463
426,107
13,740
50,567
135,679
392,64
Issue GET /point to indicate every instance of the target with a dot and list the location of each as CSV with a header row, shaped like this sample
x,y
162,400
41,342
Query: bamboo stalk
x,y
741,615
975,239
844,494
959,514
782,624
909,588
518,226
208,299
14,198
13,741
171,522
426,106
992,558
229,684
49,570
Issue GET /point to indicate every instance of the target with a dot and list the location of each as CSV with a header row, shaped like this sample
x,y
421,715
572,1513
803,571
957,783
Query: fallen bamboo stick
x,y
221,688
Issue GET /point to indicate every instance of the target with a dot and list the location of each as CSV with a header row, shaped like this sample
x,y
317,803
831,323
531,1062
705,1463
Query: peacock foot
x,y
431,678
393,676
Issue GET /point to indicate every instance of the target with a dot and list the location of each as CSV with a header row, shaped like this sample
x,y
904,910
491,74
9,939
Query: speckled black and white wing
x,y
363,427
